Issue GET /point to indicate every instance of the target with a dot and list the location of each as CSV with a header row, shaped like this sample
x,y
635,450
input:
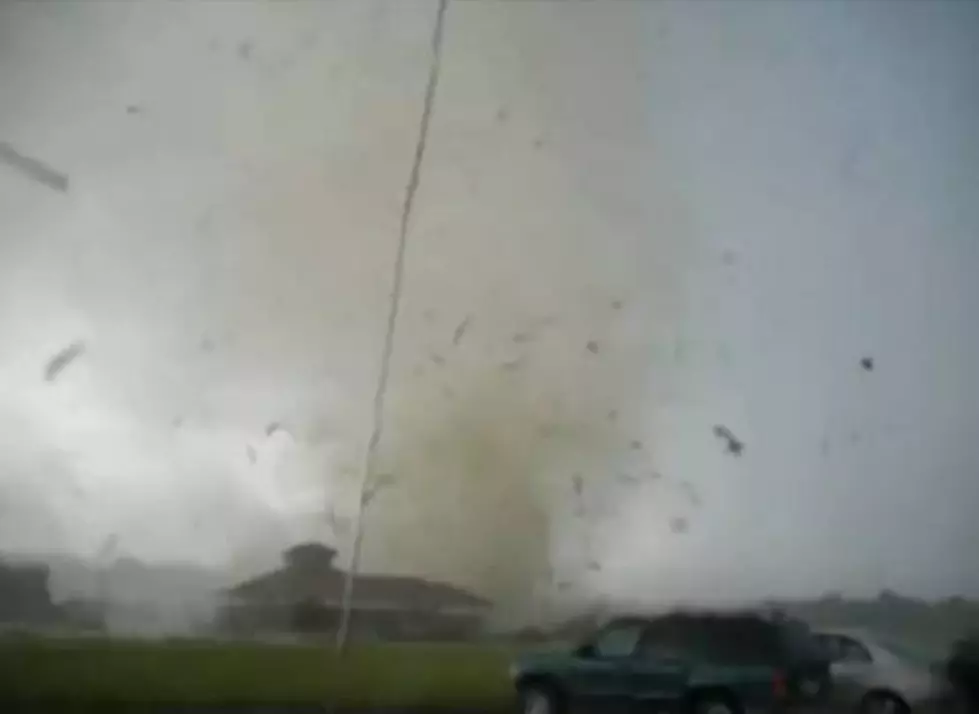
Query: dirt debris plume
x,y
485,483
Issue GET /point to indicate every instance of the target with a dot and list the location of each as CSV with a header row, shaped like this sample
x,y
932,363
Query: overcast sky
x,y
636,221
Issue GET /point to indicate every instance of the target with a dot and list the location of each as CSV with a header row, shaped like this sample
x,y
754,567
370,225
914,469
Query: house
x,y
304,596
24,595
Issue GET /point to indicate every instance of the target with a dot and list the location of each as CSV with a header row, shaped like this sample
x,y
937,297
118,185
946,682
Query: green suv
x,y
691,663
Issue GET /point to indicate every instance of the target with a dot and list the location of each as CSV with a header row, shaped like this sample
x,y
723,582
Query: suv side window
x,y
745,639
849,650
618,639
801,643
840,648
668,638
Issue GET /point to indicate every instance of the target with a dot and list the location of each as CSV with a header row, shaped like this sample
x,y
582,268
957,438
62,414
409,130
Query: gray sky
x,y
636,221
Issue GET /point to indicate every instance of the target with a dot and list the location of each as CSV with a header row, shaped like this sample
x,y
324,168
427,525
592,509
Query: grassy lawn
x,y
203,672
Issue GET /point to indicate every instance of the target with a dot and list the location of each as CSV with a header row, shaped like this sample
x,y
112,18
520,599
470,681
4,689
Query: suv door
x,y
851,667
602,668
808,663
660,667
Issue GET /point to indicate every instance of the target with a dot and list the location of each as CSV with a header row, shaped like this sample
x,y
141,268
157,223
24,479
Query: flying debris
x,y
33,169
592,347
272,427
679,525
734,446
460,331
61,360
690,492
252,456
867,363
578,484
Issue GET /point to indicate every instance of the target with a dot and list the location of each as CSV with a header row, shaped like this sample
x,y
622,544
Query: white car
x,y
878,678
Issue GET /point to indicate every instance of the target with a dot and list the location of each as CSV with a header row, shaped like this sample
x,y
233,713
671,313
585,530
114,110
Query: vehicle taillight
x,y
780,685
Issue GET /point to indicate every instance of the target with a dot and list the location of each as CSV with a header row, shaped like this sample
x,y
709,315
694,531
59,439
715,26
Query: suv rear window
x,y
801,643
715,638
618,639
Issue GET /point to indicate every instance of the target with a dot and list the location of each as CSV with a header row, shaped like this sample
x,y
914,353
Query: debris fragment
x,y
437,359
635,445
252,456
691,493
272,427
32,168
734,446
61,360
379,483
594,566
338,524
134,109
867,363
592,347
511,366
679,525
578,483
460,331
616,304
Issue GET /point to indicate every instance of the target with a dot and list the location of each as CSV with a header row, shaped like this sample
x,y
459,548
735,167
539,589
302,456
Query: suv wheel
x,y
883,703
539,699
714,704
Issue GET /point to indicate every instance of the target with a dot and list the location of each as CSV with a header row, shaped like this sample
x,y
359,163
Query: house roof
x,y
292,584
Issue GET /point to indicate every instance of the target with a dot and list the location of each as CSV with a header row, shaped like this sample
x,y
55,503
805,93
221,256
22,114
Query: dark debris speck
x,y
460,331
679,525
734,446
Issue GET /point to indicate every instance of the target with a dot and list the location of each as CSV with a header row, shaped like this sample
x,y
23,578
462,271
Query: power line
x,y
366,487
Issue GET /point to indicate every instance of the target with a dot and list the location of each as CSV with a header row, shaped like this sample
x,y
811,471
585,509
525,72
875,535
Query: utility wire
x,y
367,488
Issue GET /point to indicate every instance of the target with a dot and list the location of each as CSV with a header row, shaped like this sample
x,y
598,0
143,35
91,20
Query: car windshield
x,y
917,655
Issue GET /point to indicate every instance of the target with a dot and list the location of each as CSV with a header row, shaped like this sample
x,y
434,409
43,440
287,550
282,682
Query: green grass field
x,y
204,672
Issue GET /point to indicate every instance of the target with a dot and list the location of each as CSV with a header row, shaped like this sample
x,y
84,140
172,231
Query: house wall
x,y
309,619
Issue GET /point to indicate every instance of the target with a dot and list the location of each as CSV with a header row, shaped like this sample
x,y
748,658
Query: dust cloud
x,y
502,458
